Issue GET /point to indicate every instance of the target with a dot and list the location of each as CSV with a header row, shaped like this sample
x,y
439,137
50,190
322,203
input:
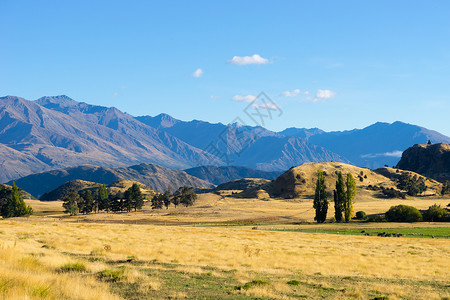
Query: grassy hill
x,y
299,182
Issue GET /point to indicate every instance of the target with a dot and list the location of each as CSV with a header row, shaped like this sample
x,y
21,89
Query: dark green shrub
x,y
73,267
293,282
435,213
360,215
376,219
251,284
403,213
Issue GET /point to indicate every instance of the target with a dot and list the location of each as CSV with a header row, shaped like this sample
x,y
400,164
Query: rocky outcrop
x,y
428,160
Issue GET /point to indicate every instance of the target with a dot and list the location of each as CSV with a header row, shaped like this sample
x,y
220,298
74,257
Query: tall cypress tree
x,y
350,197
320,199
339,198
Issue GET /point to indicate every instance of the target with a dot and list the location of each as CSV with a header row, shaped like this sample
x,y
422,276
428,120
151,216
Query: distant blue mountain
x,y
374,146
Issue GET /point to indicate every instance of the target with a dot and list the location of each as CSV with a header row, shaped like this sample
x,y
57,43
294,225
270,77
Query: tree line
x,y
87,202
184,195
12,203
343,196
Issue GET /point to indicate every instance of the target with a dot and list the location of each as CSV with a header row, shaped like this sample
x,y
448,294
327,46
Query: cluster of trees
x,y
86,202
344,197
12,203
184,195
413,185
405,213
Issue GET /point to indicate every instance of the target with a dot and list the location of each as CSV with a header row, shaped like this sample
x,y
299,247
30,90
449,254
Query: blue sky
x,y
335,65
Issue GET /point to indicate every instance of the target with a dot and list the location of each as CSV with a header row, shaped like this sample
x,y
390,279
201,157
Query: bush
x,y
73,267
392,193
360,215
403,213
435,213
375,219
112,275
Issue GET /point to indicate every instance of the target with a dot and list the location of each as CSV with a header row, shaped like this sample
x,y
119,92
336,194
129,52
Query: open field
x,y
66,260
212,208
212,250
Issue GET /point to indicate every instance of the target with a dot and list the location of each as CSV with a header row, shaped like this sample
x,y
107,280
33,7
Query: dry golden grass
x,y
31,254
212,208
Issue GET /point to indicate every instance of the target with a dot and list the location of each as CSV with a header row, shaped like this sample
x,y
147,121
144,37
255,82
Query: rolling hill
x,y
154,176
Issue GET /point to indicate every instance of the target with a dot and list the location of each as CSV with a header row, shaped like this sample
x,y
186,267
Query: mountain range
x,y
59,132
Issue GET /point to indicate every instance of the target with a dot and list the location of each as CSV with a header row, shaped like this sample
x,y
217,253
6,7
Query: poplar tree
x,y
320,199
350,197
339,198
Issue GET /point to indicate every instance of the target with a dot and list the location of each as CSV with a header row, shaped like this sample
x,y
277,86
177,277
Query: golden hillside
x,y
300,181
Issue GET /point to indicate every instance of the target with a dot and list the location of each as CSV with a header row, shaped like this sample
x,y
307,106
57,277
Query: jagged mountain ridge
x,y
55,132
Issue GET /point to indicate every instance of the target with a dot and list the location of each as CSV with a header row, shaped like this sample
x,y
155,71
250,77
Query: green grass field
x,y
435,232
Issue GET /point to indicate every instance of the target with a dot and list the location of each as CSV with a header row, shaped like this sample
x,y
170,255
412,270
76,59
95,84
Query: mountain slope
x,y
240,145
154,176
54,132
378,144
219,175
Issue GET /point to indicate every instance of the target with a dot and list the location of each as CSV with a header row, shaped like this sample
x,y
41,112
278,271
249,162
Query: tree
x,y
117,203
320,199
339,198
413,185
435,213
350,197
403,213
167,197
70,204
445,187
88,202
157,201
15,205
102,198
186,195
429,142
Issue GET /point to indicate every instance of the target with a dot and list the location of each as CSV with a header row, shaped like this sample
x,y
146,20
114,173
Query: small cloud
x,y
248,98
396,153
198,73
249,60
294,93
124,87
116,95
267,106
321,95
213,97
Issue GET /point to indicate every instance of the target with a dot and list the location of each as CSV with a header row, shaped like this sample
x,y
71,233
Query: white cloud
x,y
294,93
267,106
321,95
116,95
248,60
198,73
325,94
213,97
248,98
397,153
